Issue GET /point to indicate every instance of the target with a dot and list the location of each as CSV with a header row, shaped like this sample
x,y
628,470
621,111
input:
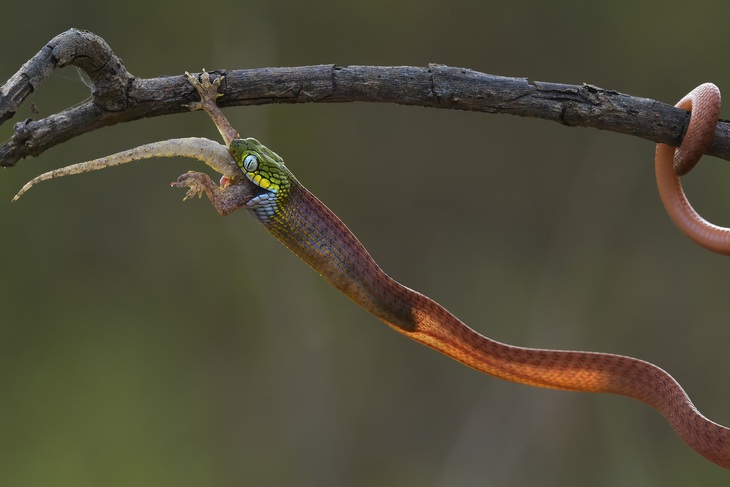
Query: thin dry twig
x,y
118,96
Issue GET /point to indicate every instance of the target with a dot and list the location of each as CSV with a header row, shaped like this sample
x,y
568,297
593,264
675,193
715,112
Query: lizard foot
x,y
226,198
207,90
197,183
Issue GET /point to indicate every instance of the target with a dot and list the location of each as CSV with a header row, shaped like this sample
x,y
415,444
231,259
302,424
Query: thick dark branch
x,y
117,96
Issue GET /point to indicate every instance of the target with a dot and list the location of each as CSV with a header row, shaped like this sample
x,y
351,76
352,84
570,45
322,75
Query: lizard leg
x,y
225,200
208,92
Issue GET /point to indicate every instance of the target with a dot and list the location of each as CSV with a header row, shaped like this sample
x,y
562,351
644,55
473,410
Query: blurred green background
x,y
148,342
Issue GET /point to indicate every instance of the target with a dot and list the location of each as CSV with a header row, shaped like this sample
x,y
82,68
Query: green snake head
x,y
266,169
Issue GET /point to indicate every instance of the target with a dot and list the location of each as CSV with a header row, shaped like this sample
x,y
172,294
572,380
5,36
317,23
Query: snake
x,y
307,227
257,179
670,163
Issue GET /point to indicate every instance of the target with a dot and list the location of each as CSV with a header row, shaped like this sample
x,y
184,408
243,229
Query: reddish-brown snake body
x,y
670,163
308,228
313,232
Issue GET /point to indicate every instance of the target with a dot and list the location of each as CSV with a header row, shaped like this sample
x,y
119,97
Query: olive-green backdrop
x,y
147,342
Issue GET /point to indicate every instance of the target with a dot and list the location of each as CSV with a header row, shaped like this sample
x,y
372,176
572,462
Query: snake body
x,y
671,162
314,233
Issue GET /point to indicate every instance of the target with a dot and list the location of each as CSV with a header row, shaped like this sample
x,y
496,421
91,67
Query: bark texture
x,y
118,96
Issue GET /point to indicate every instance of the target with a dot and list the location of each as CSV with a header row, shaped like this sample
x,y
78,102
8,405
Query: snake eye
x,y
250,163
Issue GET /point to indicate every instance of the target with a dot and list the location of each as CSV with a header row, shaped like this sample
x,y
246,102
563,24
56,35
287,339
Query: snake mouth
x,y
248,192
258,190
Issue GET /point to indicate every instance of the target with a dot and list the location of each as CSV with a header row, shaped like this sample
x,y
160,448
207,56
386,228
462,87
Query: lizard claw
x,y
226,198
208,90
196,182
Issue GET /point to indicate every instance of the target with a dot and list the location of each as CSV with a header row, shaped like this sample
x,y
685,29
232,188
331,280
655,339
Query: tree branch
x,y
118,96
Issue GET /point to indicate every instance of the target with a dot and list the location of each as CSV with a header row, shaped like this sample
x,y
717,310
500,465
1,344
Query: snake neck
x,y
314,233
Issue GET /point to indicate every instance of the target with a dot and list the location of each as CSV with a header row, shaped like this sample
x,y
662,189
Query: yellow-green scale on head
x,y
266,169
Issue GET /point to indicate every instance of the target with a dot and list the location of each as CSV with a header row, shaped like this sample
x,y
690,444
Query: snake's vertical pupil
x,y
250,163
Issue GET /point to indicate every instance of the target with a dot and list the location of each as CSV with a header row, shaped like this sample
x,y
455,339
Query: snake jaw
x,y
263,206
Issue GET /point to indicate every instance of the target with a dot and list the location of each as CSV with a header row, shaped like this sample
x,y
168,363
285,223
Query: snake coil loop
x,y
670,163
